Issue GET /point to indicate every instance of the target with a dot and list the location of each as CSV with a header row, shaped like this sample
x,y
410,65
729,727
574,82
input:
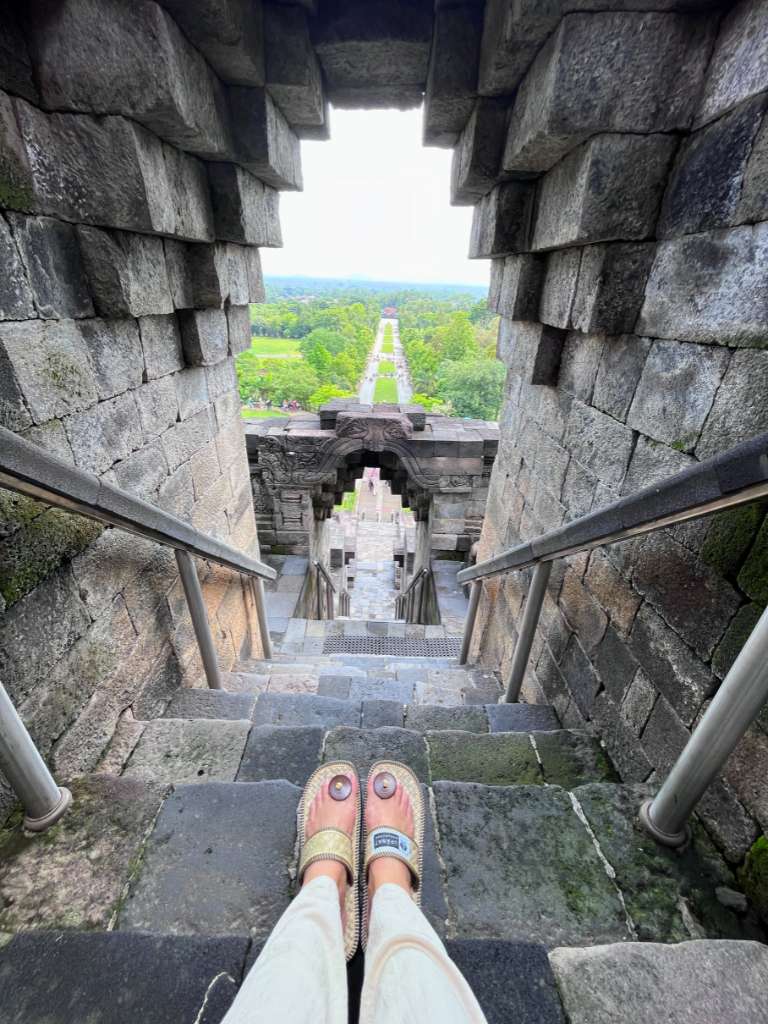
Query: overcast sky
x,y
375,204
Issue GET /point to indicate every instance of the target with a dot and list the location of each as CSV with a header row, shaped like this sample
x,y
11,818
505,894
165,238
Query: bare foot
x,y
325,812
396,812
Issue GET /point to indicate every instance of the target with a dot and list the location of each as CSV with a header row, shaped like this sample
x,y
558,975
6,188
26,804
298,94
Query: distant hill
x,y
389,292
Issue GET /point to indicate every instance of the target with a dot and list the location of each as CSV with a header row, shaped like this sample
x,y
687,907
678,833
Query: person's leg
x,y
408,973
300,976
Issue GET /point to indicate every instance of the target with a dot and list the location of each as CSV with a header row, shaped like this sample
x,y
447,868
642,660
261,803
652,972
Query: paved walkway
x,y
368,385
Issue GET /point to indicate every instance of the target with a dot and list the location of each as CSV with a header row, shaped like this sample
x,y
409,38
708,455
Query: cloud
x,y
375,204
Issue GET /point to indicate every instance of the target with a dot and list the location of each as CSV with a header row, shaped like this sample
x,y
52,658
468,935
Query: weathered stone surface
x,y
15,66
161,344
16,180
578,367
601,444
621,364
582,611
739,409
638,702
228,32
477,157
51,256
126,272
530,350
452,73
364,746
111,172
381,689
427,717
178,750
238,329
704,981
109,431
305,709
615,664
377,713
16,301
46,372
559,287
693,372
501,759
624,748
49,976
74,876
611,287
116,354
642,74
571,759
204,336
264,142
709,288
192,394
158,406
520,281
609,188
244,209
580,677
293,75
521,717
109,58
502,879
243,835
706,187
281,752
193,703
501,222
739,64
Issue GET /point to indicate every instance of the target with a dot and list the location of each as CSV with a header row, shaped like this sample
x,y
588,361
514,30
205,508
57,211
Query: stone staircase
x,y
153,896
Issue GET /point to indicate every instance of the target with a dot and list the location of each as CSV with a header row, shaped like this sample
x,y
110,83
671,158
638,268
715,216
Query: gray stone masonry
x,y
229,33
452,74
293,76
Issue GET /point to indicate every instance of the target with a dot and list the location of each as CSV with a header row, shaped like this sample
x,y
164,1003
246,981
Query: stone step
x,y
524,863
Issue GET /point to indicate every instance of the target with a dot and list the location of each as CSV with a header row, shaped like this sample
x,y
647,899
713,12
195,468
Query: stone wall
x,y
141,149
622,195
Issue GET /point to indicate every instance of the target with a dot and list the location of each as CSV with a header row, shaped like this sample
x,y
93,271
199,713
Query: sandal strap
x,y
328,844
389,842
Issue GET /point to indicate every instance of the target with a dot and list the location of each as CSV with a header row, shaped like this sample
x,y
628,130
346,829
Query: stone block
x,y
600,444
621,365
452,74
364,746
493,836
143,473
608,189
111,172
116,355
612,591
642,74
281,752
178,750
182,440
670,665
739,63
501,222
530,350
569,758
161,344
582,611
16,300
622,745
244,209
105,433
477,156
611,286
638,702
16,178
559,288
426,717
580,678
499,759
51,256
243,835
724,271
521,717
738,411
706,187
229,33
126,272
109,58
378,713
293,76
579,363
194,703
204,336
238,329
676,391
45,372
264,142
631,982
518,286
81,867
161,978
191,391
287,709
15,66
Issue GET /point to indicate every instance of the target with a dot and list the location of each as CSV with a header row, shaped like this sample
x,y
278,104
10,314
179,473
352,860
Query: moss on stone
x,y
735,637
753,578
753,876
32,553
17,511
730,537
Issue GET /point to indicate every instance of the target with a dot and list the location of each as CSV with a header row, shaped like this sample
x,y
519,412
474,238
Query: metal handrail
x,y
29,470
324,571
417,576
734,478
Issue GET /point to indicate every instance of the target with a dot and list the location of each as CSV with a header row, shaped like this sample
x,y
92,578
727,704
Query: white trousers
x,y
300,976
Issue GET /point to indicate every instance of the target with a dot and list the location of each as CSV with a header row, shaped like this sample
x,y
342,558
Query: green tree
x,y
474,388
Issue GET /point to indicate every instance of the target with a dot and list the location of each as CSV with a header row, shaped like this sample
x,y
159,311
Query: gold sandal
x,y
390,842
332,843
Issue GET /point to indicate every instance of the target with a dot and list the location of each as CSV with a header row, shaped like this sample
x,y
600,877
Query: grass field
x,y
386,366
275,346
385,390
261,414
387,346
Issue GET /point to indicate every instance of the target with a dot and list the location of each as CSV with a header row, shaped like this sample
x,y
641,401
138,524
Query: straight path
x,y
368,383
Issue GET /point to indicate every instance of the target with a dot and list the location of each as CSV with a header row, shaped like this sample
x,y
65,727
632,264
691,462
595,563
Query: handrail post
x,y
734,707
44,801
319,591
261,615
329,600
527,630
202,627
469,625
